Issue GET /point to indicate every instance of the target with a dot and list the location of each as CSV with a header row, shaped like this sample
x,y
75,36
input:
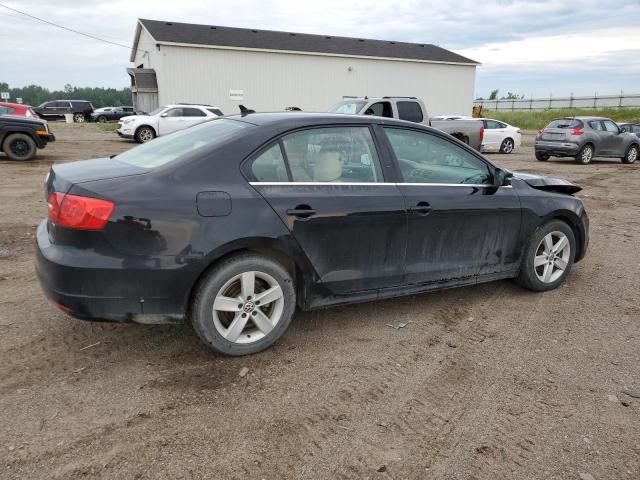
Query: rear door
x,y
460,225
493,133
410,111
328,187
601,136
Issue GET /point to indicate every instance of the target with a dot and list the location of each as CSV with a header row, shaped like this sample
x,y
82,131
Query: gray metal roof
x,y
213,35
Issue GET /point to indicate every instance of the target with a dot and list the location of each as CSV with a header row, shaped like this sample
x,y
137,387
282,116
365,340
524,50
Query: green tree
x,y
98,96
494,94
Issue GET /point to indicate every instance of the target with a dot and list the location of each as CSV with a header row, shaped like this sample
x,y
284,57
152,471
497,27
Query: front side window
x,y
163,150
6,110
426,158
63,104
410,111
269,166
174,112
334,154
380,109
611,127
347,107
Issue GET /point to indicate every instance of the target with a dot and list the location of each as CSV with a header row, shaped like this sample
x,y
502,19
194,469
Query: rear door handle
x,y
301,211
421,208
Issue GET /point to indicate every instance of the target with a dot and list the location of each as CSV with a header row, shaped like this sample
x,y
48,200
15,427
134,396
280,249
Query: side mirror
x,y
501,178
163,115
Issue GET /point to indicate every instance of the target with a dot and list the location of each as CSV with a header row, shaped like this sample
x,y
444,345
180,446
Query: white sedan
x,y
165,119
499,136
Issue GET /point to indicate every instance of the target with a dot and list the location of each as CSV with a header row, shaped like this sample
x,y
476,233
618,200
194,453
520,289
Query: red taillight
x,y
79,213
481,134
577,131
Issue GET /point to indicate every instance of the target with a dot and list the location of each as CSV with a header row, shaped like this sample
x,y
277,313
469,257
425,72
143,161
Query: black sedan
x,y
235,222
107,114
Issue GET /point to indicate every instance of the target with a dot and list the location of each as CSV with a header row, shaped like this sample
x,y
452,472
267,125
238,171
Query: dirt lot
x,y
486,382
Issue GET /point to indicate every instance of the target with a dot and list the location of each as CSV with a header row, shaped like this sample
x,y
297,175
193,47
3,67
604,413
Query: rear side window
x,y
492,124
426,158
380,109
333,154
269,166
163,150
61,104
193,112
410,111
565,123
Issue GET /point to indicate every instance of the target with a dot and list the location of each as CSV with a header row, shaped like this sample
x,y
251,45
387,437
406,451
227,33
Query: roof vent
x,y
169,23
213,28
361,39
292,34
254,31
328,38
421,45
392,43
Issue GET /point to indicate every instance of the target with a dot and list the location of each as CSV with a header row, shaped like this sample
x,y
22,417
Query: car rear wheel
x,y
102,119
78,117
19,146
542,157
632,154
507,146
145,134
243,305
548,257
585,155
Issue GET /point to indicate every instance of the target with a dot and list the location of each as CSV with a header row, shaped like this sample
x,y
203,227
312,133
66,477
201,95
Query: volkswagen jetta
x,y
234,223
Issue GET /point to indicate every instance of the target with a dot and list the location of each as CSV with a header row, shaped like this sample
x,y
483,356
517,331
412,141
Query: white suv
x,y
165,119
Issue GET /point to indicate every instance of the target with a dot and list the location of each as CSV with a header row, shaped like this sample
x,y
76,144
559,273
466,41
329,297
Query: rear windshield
x,y
565,123
349,107
163,150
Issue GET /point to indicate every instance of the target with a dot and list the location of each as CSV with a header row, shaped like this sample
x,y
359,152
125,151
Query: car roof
x,y
14,105
172,105
310,118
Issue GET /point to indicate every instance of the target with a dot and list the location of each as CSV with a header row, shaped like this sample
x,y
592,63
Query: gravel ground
x,y
485,382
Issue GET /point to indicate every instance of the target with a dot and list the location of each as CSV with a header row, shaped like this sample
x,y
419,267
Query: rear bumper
x,y
93,286
558,149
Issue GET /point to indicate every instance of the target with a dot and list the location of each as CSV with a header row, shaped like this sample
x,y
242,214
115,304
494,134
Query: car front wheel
x,y
19,146
145,134
632,154
78,117
506,146
243,305
548,257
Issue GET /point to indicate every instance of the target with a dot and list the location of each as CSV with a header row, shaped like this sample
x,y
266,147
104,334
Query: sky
x,y
530,48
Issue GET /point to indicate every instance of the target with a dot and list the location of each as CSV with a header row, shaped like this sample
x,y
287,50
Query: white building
x,y
269,71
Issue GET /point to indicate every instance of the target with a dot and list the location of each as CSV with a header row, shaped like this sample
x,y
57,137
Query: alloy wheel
x,y
587,154
248,307
78,118
508,146
632,155
552,257
145,135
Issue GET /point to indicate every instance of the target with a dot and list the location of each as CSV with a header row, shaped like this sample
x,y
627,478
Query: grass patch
x,y
540,119
107,127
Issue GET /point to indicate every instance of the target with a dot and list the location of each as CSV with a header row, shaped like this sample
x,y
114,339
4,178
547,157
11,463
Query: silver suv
x,y
584,138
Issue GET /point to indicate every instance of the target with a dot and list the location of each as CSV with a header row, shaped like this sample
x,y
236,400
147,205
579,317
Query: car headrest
x,y
328,167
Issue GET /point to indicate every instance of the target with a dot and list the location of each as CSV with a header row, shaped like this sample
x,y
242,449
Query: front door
x,y
179,118
493,132
328,187
460,225
615,142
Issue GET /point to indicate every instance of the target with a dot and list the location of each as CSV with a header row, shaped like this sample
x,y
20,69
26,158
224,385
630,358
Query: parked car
x,y
18,109
106,114
411,109
500,137
630,128
165,119
20,137
584,138
234,222
81,109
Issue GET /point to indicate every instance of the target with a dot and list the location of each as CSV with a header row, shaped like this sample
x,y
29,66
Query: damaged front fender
x,y
548,184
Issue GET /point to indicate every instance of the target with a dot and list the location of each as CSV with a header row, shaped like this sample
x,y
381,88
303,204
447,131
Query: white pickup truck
x,y
412,109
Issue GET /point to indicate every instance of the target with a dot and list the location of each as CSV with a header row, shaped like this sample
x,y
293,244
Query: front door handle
x,y
421,208
301,211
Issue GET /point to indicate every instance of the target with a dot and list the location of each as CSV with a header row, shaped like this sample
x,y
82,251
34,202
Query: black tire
x,y
542,157
78,117
632,154
202,317
19,146
528,278
101,119
585,155
507,146
144,134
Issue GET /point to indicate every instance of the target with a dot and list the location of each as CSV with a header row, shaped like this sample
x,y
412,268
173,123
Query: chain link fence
x,y
531,104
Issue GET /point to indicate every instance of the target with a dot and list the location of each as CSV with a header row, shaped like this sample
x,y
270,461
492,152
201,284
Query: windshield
x,y
157,110
163,150
350,107
565,123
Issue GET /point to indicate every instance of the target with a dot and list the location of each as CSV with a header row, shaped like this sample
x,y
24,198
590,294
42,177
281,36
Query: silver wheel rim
x,y
508,146
632,156
78,118
587,153
248,307
145,135
552,257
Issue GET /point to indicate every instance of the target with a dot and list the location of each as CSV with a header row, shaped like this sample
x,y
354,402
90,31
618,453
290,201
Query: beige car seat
x,y
328,167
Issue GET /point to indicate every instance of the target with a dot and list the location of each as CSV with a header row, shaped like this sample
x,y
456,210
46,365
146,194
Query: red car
x,y
16,109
